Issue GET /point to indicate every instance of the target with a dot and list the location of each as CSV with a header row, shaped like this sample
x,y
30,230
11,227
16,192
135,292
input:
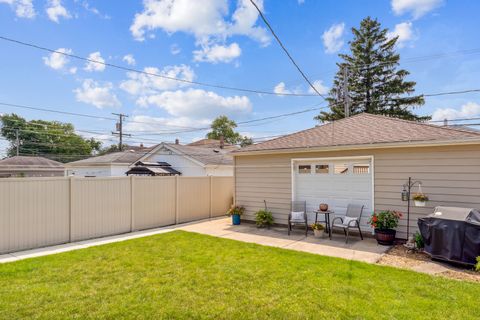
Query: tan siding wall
x,y
25,221
450,176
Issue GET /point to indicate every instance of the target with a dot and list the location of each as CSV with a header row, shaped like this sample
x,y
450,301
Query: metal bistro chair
x,y
298,215
351,220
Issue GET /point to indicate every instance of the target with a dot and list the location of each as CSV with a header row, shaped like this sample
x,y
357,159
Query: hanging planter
x,y
420,199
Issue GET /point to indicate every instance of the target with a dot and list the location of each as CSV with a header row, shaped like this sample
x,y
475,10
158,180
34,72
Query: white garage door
x,y
336,182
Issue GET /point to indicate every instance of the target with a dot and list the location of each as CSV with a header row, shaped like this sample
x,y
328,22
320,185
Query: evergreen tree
x,y
375,84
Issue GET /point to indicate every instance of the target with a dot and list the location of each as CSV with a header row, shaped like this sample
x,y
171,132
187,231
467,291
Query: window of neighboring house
x,y
361,168
341,168
305,168
321,168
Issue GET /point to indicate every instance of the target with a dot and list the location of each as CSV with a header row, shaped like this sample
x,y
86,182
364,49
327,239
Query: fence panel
x,y
100,207
222,195
153,202
34,212
193,198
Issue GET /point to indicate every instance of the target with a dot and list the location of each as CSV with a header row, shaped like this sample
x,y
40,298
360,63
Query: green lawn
x,y
187,275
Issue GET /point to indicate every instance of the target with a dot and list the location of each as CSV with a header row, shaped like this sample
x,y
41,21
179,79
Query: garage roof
x,y
364,129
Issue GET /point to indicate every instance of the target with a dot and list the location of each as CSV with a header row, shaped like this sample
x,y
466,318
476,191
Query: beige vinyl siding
x,y
450,176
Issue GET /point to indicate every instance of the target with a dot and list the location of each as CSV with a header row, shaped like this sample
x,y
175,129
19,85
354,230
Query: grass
x,y
188,276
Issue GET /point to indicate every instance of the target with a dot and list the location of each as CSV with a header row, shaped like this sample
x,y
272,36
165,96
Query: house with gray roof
x,y
29,166
187,160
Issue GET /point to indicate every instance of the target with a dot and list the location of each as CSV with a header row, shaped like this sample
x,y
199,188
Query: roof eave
x,y
362,146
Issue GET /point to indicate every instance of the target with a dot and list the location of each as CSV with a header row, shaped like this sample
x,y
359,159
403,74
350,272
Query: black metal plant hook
x,y
406,196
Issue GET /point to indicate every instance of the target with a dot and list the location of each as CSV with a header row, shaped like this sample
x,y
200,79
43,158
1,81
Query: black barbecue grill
x,y
452,234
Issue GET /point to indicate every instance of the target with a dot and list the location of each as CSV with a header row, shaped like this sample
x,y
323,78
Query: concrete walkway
x,y
366,250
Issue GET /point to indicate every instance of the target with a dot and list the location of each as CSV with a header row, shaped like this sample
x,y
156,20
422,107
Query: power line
x,y
55,111
285,49
204,84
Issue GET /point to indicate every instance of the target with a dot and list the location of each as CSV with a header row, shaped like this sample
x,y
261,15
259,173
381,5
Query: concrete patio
x,y
366,250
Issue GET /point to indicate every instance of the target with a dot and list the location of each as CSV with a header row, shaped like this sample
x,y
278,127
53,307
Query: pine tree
x,y
375,84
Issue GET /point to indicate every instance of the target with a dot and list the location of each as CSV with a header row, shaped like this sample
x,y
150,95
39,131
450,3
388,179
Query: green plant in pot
x,y
385,223
420,199
235,212
263,218
318,229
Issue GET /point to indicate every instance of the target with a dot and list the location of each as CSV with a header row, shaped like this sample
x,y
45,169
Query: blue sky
x,y
221,42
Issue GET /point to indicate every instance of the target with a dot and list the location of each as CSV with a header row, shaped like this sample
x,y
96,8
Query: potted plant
x,y
420,199
385,223
263,218
235,212
318,229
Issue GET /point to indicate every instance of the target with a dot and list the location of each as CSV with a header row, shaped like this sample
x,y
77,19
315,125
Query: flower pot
x,y
385,237
419,203
235,219
323,207
317,233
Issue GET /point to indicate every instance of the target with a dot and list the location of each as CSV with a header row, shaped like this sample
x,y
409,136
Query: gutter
x,y
394,145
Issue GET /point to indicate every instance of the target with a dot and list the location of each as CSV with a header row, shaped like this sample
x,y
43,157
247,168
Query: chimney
x,y
222,142
177,141
445,122
141,145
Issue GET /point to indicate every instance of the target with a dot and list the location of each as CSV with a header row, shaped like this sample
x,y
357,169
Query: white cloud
x,y
470,109
58,61
417,8
321,88
175,49
148,123
142,84
91,66
207,20
280,88
129,59
218,53
93,10
332,38
91,92
301,1
198,104
55,10
22,8
404,31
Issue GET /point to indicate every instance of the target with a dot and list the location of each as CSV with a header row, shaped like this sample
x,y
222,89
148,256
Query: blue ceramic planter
x,y
235,219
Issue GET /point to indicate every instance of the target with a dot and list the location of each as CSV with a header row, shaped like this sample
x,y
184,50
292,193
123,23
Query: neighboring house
x,y
185,159
193,160
143,168
23,166
110,164
212,143
362,159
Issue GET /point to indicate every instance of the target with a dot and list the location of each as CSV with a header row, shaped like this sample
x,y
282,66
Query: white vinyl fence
x,y
37,212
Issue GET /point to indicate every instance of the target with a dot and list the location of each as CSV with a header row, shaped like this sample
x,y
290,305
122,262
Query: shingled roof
x,y
364,129
29,162
205,155
124,157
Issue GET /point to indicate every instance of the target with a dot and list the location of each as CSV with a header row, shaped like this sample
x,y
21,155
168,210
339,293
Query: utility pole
x,y
17,142
119,129
346,96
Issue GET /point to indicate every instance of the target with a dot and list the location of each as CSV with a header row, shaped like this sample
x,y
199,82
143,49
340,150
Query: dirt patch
x,y
400,257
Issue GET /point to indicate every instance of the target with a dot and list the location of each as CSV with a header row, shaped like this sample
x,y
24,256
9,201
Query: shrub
x,y
263,218
420,197
419,243
477,266
387,219
238,210
318,226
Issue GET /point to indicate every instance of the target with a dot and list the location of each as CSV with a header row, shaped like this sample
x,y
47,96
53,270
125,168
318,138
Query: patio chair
x,y
350,221
298,215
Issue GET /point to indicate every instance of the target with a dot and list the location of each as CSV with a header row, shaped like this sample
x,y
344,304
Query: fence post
x,y
176,198
132,210
211,197
70,205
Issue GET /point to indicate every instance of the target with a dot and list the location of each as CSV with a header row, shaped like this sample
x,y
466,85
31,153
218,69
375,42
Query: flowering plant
x,y
386,219
235,210
318,226
420,197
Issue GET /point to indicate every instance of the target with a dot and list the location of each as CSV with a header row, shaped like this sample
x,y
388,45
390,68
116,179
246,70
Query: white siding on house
x,y
450,176
186,166
219,171
98,171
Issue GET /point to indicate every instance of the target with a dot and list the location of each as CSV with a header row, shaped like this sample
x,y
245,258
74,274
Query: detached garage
x,y
364,159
